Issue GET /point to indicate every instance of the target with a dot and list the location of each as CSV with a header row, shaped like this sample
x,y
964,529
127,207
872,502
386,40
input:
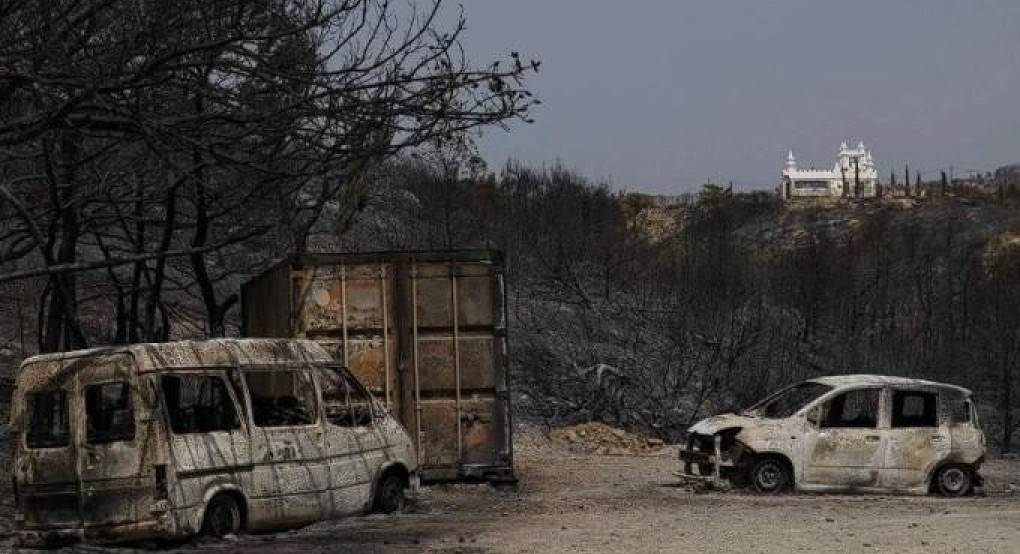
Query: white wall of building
x,y
853,165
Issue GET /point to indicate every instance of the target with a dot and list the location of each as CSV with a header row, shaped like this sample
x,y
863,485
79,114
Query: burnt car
x,y
853,433
214,437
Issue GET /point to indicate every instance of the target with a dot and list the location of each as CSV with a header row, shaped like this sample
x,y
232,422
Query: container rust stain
x,y
425,331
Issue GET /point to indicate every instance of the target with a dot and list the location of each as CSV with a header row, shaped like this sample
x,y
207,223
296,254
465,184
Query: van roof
x,y
202,353
884,380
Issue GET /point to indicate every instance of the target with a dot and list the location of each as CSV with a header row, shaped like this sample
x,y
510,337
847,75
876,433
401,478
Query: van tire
x,y
389,494
222,517
954,480
770,475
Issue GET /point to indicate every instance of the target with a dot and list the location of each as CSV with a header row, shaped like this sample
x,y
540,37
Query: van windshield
x,y
786,402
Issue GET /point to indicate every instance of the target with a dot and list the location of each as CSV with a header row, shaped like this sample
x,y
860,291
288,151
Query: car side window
x,y
853,409
109,415
281,397
346,402
198,404
914,409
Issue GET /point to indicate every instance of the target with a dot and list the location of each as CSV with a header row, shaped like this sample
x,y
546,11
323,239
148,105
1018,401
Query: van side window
x,y
281,398
198,404
914,409
48,425
346,402
109,416
852,409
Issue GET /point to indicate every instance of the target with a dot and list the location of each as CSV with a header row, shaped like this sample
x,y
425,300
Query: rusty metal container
x,y
424,331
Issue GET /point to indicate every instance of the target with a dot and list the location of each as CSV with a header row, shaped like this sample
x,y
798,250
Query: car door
x,y
355,444
844,446
290,469
116,487
208,442
915,440
47,453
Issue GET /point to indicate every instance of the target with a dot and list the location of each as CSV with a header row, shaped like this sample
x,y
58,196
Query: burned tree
x,y
163,142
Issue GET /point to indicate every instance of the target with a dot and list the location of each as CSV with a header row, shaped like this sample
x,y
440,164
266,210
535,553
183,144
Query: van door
x,y
355,445
114,425
845,448
46,459
290,471
208,443
916,439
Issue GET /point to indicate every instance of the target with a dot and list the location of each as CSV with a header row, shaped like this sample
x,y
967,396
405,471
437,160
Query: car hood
x,y
714,424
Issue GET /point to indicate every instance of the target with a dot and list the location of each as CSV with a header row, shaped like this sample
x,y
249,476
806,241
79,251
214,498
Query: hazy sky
x,y
661,95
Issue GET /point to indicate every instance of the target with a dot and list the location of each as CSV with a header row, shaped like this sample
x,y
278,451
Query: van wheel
x,y
953,480
389,496
222,517
770,475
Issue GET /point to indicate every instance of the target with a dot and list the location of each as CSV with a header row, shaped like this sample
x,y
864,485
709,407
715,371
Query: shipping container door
x,y
454,359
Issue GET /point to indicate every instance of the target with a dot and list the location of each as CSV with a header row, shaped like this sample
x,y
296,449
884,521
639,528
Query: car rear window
x,y
959,410
48,425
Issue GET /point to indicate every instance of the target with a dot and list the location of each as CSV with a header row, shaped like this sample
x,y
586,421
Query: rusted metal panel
x,y
424,331
273,305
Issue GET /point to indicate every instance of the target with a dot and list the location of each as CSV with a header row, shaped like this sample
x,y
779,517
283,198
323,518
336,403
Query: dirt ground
x,y
579,502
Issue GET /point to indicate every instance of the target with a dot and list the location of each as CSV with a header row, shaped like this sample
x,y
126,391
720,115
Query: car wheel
x,y
953,480
770,475
222,517
389,497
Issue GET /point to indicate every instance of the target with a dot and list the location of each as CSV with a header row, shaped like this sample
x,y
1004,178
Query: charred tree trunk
x,y
139,267
215,311
1005,406
857,179
59,329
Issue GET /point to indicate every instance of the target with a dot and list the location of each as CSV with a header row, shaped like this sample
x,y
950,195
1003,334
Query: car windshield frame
x,y
760,409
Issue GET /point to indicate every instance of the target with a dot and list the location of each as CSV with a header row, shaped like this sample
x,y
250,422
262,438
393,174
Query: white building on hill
x,y
853,175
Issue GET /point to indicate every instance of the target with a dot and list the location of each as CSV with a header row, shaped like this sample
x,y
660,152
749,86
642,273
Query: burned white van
x,y
862,433
213,437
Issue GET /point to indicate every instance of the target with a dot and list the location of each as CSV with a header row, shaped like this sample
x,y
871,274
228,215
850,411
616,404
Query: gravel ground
x,y
588,503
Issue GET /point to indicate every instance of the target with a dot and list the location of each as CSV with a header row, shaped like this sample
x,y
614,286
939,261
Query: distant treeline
x,y
649,316
652,317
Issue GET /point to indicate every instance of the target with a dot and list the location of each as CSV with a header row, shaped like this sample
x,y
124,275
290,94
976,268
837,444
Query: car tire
x,y
770,475
222,517
389,495
954,480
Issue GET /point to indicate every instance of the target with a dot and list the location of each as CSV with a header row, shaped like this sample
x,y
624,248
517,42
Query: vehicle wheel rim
x,y
769,476
953,480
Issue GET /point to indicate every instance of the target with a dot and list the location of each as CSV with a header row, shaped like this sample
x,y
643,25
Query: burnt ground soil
x,y
576,502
